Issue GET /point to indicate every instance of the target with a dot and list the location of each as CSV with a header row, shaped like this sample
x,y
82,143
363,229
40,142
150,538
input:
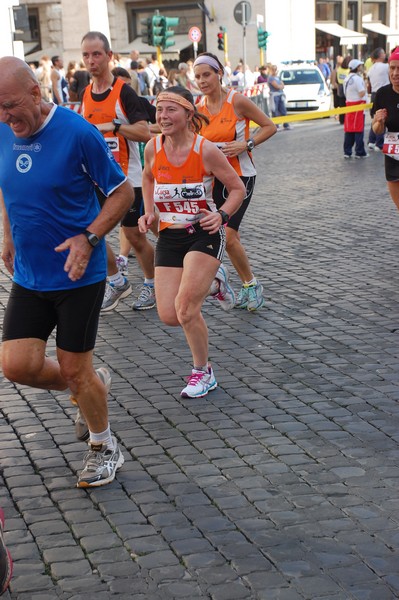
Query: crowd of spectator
x,y
147,76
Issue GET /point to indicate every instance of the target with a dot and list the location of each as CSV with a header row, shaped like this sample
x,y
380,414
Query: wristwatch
x,y
250,144
116,123
225,216
92,238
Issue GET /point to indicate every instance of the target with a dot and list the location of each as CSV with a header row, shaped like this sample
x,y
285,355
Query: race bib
x,y
391,144
179,203
113,145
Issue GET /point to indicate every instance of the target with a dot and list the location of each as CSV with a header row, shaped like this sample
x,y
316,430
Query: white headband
x,y
207,60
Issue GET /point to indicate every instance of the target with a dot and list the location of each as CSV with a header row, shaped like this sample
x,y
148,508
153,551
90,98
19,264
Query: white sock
x,y
104,437
253,281
204,368
116,280
149,282
124,258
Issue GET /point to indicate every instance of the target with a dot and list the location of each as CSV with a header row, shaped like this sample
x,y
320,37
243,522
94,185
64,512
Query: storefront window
x,y
27,26
327,10
374,11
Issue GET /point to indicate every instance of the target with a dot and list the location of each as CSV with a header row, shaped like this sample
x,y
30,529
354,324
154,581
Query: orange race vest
x,y
104,112
181,191
227,127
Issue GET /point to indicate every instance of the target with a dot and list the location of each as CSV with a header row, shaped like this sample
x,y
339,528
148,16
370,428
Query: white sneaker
x,y
225,296
242,298
146,298
371,145
199,383
113,294
100,465
255,297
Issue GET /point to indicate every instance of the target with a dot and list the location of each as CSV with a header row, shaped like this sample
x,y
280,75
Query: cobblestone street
x,y
283,483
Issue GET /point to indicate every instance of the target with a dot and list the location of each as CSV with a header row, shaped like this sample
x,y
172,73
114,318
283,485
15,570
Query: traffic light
x,y
157,30
221,38
146,31
167,34
262,38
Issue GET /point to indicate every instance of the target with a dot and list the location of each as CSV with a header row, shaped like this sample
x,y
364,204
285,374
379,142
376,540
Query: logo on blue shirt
x,y
24,163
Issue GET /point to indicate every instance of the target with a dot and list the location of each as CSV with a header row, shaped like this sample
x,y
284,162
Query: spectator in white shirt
x,y
355,93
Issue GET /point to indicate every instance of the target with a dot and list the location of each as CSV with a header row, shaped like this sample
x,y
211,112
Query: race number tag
x,y
113,145
391,145
179,203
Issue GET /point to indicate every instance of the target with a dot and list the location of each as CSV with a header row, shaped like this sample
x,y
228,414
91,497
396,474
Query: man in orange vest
x,y
115,109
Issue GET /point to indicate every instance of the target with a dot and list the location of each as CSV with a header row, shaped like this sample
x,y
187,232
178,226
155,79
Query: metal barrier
x,y
259,94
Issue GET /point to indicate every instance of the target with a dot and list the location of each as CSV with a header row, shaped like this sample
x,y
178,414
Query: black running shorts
x,y
173,245
131,218
75,314
220,194
391,169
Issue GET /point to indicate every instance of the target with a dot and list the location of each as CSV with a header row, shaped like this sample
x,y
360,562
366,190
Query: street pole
x,y
242,15
244,47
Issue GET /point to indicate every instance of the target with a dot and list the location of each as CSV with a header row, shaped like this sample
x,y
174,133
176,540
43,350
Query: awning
x,y
181,42
348,37
377,27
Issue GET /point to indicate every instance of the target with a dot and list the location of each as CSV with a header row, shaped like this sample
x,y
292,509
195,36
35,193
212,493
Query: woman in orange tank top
x,y
230,114
179,169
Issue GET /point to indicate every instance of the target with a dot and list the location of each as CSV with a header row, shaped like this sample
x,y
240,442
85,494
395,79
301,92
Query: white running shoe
x,y
113,294
255,297
100,465
225,296
242,298
250,297
146,298
199,383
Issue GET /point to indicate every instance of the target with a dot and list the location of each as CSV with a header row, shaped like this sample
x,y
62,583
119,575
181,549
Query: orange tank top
x,y
227,127
105,111
181,191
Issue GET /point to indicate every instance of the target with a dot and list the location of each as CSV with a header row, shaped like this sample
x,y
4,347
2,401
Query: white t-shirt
x,y
152,71
378,75
354,84
249,78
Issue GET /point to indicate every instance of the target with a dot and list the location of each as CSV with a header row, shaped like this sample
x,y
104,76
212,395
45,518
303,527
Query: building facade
x,y
299,29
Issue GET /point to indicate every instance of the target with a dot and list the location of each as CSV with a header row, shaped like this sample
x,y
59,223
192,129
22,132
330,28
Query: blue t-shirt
x,y
275,79
48,186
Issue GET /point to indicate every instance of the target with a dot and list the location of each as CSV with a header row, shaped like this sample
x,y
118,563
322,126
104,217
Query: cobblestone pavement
x,y
284,482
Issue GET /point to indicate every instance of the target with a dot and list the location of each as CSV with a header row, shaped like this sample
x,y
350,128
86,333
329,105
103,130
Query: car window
x,y
300,76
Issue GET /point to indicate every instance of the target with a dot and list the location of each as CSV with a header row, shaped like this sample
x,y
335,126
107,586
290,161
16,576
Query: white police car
x,y
304,87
